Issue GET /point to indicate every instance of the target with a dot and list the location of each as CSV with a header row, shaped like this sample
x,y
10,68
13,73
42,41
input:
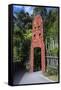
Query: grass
x,y
51,77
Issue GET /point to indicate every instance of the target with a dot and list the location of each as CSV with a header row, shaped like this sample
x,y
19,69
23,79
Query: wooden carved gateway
x,y
37,41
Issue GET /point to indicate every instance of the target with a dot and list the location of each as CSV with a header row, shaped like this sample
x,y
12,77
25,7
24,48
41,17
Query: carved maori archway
x,y
37,41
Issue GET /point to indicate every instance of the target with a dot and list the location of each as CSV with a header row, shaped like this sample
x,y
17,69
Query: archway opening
x,y
37,59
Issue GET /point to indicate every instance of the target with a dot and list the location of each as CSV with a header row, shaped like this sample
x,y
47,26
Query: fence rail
x,y
52,61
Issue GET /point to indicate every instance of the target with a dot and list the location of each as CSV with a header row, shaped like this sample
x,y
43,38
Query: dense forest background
x,y
22,32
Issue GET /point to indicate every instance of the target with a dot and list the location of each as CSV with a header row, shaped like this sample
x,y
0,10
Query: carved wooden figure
x,y
37,41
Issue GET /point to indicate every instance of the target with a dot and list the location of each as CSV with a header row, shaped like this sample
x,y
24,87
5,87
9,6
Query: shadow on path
x,y
19,71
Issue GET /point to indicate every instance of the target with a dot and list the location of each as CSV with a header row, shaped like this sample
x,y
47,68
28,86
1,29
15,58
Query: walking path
x,y
34,77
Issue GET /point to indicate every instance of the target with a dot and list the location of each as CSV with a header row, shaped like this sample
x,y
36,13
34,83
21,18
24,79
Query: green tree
x,y
51,29
21,36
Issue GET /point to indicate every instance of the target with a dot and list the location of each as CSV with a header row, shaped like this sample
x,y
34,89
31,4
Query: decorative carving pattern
x,y
37,41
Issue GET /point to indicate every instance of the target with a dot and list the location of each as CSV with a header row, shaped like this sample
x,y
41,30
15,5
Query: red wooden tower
x,y
37,41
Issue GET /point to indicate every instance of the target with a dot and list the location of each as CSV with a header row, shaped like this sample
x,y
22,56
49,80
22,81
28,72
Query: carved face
x,y
37,23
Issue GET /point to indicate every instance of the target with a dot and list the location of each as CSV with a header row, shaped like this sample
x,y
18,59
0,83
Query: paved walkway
x,y
30,78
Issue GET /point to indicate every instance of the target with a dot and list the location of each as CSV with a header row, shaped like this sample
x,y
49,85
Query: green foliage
x,y
54,52
22,32
23,21
40,10
52,71
28,34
